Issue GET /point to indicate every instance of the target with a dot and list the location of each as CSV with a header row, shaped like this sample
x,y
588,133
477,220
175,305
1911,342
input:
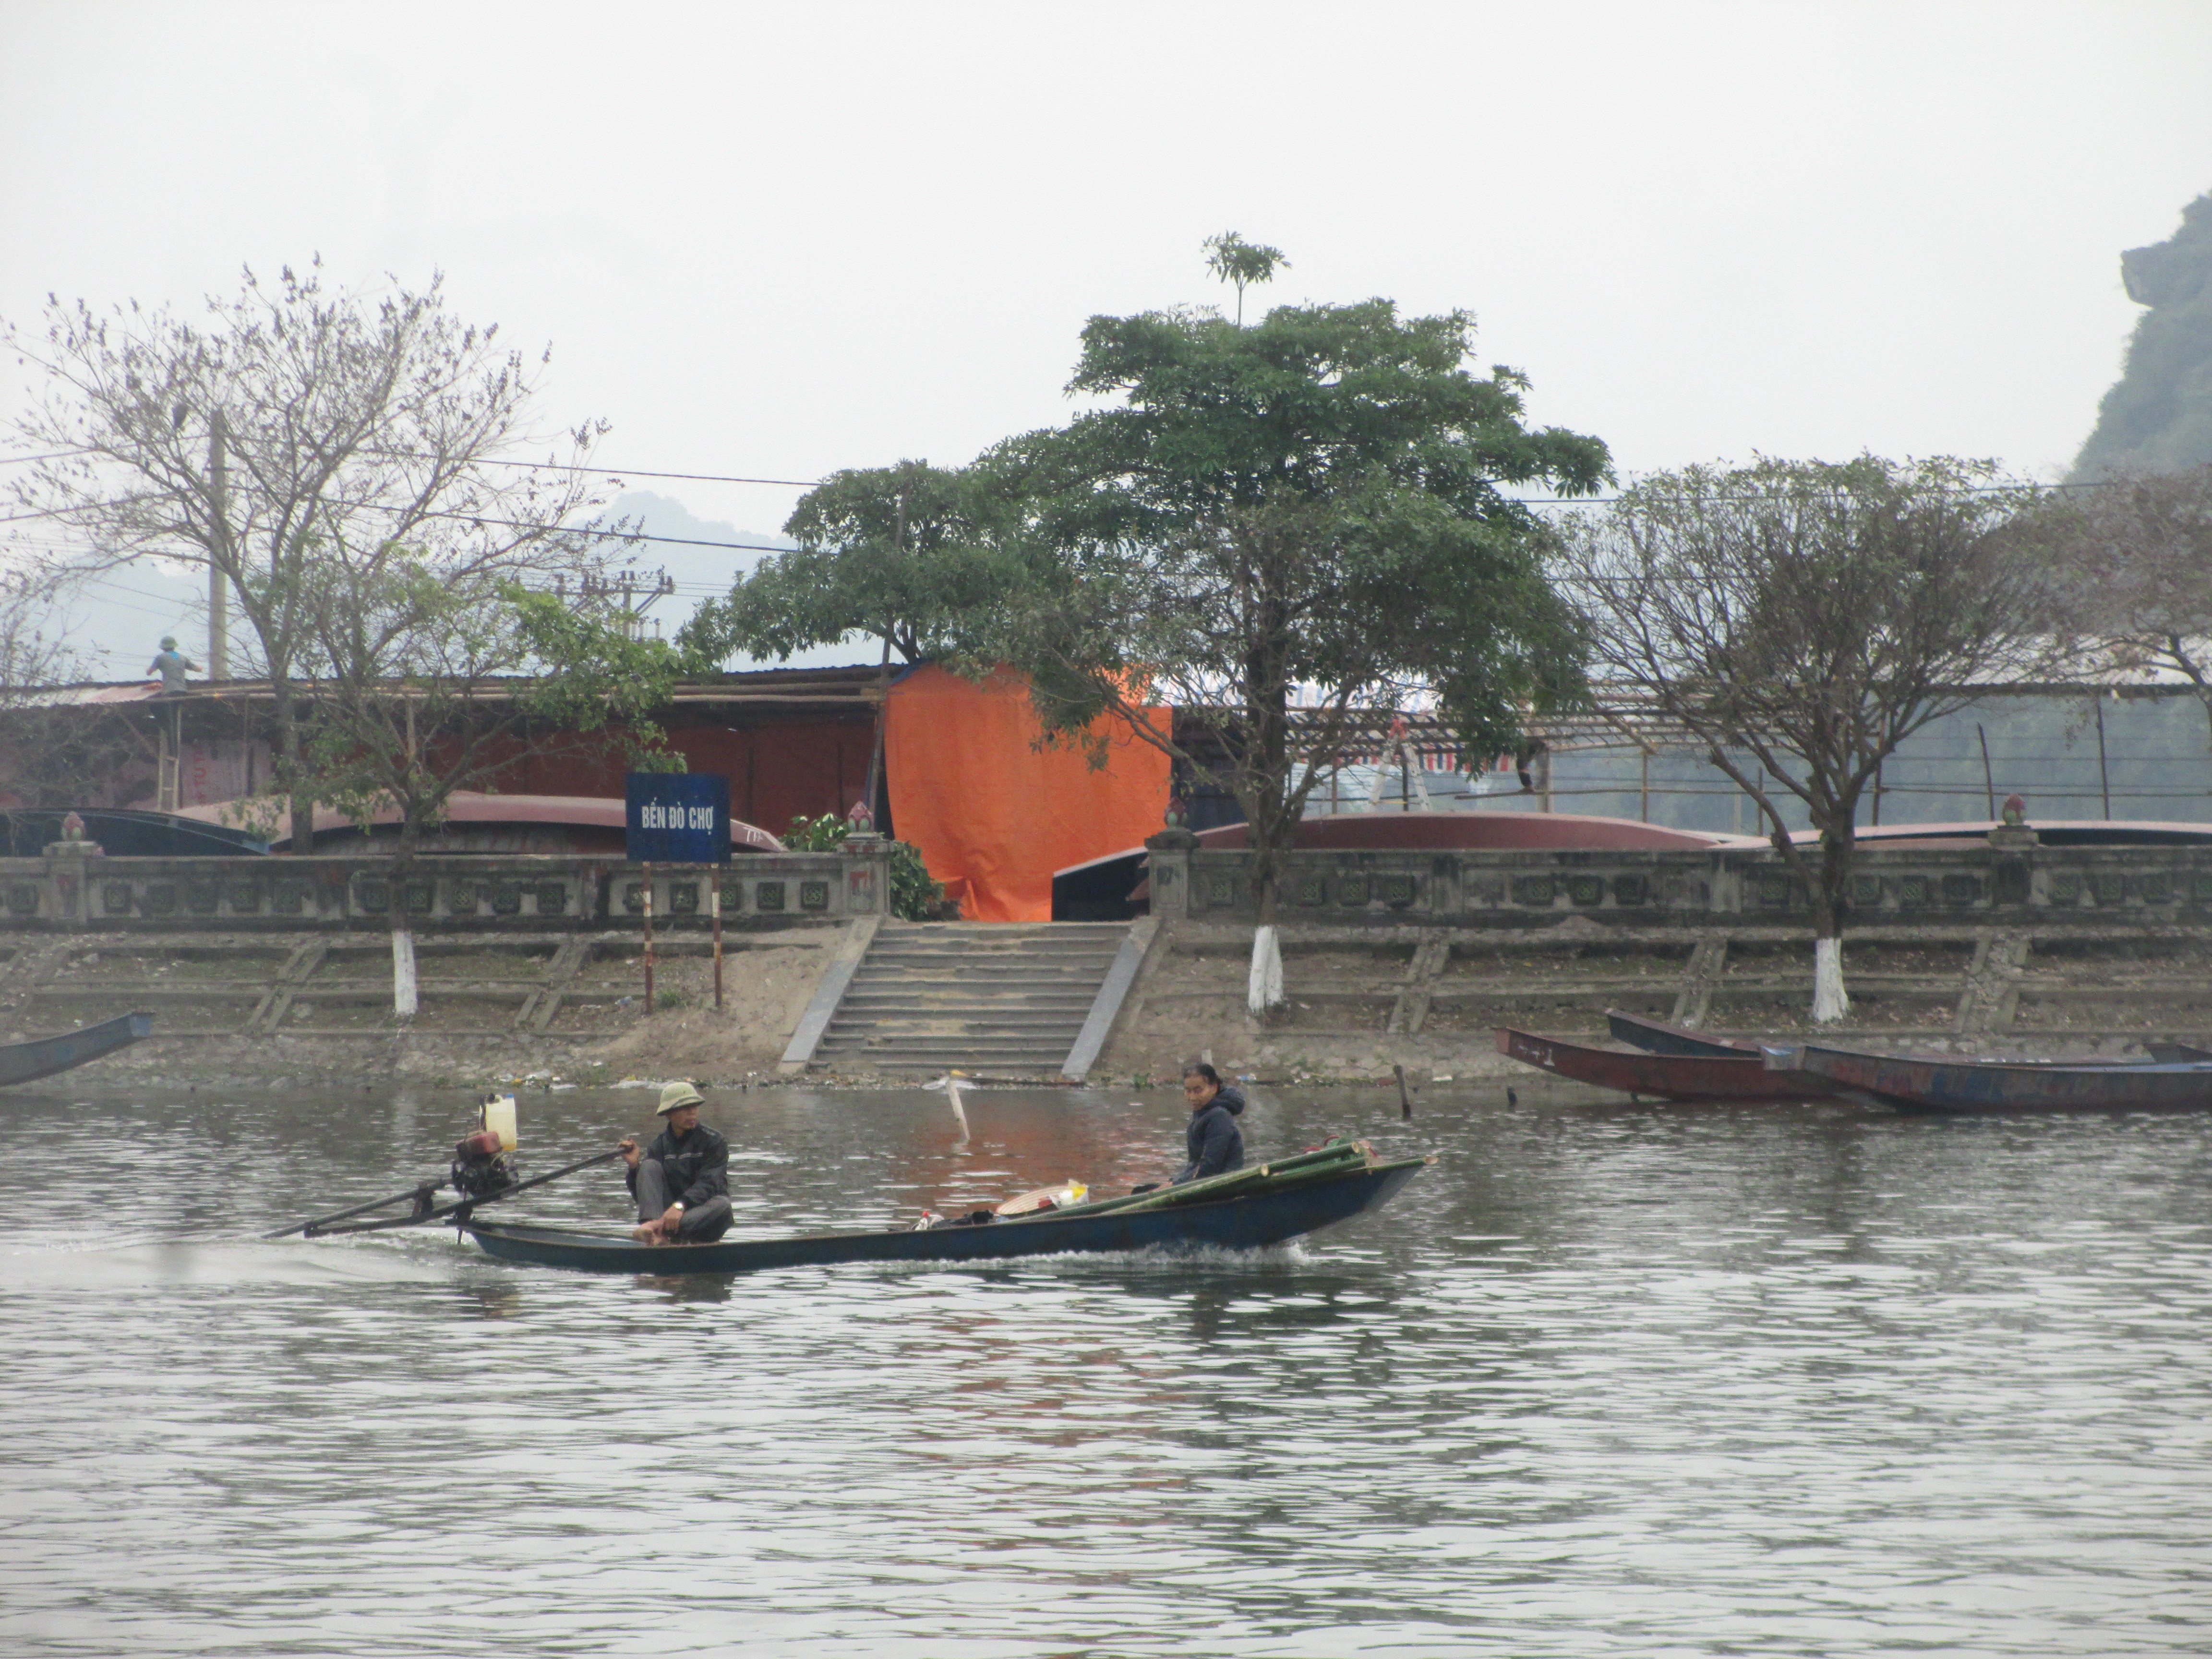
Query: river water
x,y
1606,1380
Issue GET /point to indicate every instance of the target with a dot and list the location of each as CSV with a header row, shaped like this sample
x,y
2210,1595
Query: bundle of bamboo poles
x,y
1338,1158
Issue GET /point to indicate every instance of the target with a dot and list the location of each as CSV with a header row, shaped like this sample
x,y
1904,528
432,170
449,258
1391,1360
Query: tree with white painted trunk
x,y
1800,620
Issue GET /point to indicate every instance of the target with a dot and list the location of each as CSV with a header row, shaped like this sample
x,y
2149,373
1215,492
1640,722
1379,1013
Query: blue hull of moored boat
x,y
27,1062
1930,1083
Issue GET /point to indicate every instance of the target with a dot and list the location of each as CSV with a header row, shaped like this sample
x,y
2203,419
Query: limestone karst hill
x,y
2158,416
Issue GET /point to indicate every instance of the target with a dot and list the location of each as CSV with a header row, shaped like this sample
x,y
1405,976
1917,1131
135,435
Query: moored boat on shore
x,y
1942,1084
27,1062
1656,1037
1728,1073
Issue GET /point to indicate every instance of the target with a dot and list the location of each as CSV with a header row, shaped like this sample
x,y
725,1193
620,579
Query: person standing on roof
x,y
1215,1144
171,663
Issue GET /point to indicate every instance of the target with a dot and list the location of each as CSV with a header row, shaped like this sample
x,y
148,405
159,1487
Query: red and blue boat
x,y
1667,1062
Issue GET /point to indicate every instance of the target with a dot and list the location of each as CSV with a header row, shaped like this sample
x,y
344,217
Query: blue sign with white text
x,y
678,818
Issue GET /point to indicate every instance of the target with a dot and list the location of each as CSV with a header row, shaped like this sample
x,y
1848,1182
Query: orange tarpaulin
x,y
988,809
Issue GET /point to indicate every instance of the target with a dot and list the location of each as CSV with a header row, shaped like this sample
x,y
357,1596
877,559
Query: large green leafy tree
x,y
1288,528
900,553
891,552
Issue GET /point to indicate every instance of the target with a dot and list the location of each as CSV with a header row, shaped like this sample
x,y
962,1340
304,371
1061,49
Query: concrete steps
x,y
975,996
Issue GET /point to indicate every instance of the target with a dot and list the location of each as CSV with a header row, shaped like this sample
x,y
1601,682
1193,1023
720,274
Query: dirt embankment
x,y
262,1012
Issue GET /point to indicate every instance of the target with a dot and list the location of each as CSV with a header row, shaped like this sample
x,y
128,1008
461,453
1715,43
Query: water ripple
x,y
1604,1382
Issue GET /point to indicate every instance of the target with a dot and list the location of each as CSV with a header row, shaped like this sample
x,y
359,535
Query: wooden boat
x,y
27,1062
1240,1211
2175,1053
1731,1074
1935,1084
1662,1039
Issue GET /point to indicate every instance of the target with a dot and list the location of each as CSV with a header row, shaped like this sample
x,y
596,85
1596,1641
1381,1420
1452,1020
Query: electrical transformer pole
x,y
218,646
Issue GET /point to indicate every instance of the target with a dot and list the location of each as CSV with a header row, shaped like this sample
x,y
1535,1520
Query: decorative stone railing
x,y
525,892
1892,884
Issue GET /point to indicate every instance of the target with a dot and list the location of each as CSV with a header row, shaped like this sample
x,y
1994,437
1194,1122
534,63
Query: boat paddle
x,y
424,1212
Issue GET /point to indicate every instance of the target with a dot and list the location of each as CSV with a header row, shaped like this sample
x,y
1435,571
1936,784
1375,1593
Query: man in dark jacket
x,y
1213,1140
682,1182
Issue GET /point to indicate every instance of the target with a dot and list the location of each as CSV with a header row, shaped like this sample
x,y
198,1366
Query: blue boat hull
x,y
1234,1224
27,1062
1926,1084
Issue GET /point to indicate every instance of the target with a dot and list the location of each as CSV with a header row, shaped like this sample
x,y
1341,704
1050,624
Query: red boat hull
x,y
1663,1076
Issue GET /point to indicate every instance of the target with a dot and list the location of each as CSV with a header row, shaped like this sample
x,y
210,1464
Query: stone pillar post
x,y
867,874
67,880
2012,866
1169,857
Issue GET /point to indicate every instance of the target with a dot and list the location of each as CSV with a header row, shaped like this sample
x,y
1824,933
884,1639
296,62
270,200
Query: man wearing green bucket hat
x,y
171,663
682,1182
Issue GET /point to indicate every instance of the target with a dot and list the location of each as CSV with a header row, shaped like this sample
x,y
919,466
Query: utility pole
x,y
218,646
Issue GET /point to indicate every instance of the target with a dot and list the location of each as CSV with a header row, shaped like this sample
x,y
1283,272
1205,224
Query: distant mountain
x,y
2158,416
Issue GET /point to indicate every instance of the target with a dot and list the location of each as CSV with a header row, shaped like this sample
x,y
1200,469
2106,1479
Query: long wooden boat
x,y
1657,1038
1935,1084
1251,1212
27,1062
1731,1074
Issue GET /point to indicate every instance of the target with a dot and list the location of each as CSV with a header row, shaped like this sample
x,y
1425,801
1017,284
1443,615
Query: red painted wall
x,y
779,769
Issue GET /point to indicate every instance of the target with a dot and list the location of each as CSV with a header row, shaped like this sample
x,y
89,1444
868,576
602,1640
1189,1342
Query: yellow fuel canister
x,y
499,1119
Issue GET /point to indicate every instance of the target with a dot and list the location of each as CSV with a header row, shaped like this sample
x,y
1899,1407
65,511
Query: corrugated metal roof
x,y
854,686
468,806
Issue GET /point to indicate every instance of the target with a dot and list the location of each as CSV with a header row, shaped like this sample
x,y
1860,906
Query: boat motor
x,y
480,1165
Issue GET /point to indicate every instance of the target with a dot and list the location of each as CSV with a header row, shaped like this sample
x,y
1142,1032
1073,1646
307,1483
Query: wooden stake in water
x,y
951,1084
648,939
715,910
1405,1100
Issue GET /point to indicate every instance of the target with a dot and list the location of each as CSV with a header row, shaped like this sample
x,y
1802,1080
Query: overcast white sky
x,y
775,241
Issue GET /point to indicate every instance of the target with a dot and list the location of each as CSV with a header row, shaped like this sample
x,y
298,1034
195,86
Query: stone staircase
x,y
980,996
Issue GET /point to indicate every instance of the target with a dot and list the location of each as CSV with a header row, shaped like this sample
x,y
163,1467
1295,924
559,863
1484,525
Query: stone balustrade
x,y
70,889
1891,884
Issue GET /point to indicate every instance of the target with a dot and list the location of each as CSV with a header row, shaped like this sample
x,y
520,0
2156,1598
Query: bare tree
x,y
2131,564
441,683
32,656
1803,619
49,749
287,427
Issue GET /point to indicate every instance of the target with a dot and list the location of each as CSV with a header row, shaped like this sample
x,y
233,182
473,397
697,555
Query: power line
x,y
1836,496
56,455
619,472
535,466
518,524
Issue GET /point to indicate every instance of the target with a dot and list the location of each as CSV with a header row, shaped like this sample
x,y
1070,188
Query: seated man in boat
x,y
1215,1144
682,1182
